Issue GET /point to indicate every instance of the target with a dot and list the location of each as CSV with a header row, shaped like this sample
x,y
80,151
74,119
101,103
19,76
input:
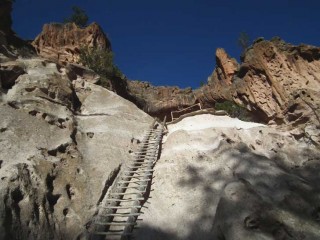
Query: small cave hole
x,y
3,130
53,152
36,211
69,191
62,148
229,140
130,151
49,182
16,195
33,113
52,200
65,211
1,161
90,134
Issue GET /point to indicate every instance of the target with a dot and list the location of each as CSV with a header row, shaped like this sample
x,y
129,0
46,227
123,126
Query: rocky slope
x,y
62,141
220,178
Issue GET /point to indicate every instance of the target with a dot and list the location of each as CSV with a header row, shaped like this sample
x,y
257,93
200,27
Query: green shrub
x,y
234,110
97,59
79,17
101,61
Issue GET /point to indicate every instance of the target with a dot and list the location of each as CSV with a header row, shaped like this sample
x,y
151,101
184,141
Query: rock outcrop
x,y
62,140
277,81
225,69
62,42
159,101
221,178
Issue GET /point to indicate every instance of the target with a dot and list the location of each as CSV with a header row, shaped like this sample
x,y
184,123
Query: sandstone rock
x,y
226,68
62,42
160,101
62,141
276,81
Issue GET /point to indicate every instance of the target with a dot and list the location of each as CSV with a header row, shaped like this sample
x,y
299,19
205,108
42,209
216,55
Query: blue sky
x,y
172,42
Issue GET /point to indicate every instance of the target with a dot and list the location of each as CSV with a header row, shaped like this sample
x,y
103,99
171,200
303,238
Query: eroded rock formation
x,y
62,42
160,101
62,141
277,81
225,69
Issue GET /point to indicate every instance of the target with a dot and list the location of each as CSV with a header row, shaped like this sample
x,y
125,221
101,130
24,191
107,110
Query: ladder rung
x,y
117,194
121,214
137,171
119,207
112,233
133,187
134,181
115,224
143,158
124,200
141,165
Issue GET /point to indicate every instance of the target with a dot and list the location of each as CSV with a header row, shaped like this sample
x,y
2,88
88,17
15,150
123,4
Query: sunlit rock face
x,y
62,139
221,178
277,81
62,42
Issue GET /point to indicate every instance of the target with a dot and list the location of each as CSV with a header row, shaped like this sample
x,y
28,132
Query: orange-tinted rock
x,y
61,42
277,82
160,101
226,67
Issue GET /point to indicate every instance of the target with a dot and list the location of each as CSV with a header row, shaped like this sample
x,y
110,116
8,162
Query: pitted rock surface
x,y
62,42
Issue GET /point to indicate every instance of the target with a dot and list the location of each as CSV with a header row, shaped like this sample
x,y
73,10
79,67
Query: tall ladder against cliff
x,y
118,212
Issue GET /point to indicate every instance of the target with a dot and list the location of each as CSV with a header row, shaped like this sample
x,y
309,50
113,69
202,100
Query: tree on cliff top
x,y
79,17
243,41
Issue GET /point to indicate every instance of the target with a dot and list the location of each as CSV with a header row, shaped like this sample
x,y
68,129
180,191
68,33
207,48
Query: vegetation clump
x,y
79,17
234,110
101,61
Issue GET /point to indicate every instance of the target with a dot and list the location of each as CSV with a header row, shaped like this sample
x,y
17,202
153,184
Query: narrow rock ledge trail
x,y
119,210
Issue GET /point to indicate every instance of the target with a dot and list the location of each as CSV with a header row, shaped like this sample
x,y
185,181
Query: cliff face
x,y
220,178
277,81
160,101
62,140
61,42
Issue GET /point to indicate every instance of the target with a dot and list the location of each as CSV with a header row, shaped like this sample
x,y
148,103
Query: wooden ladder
x,y
119,210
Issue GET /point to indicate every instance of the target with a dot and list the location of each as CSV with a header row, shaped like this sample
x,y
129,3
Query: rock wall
x,y
160,101
221,178
61,42
62,140
277,81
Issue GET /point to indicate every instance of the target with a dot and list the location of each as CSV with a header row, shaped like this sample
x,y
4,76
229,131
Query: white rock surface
x,y
61,142
217,174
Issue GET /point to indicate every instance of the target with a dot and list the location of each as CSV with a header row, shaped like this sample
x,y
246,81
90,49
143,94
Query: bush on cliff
x,y
101,61
234,110
79,17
